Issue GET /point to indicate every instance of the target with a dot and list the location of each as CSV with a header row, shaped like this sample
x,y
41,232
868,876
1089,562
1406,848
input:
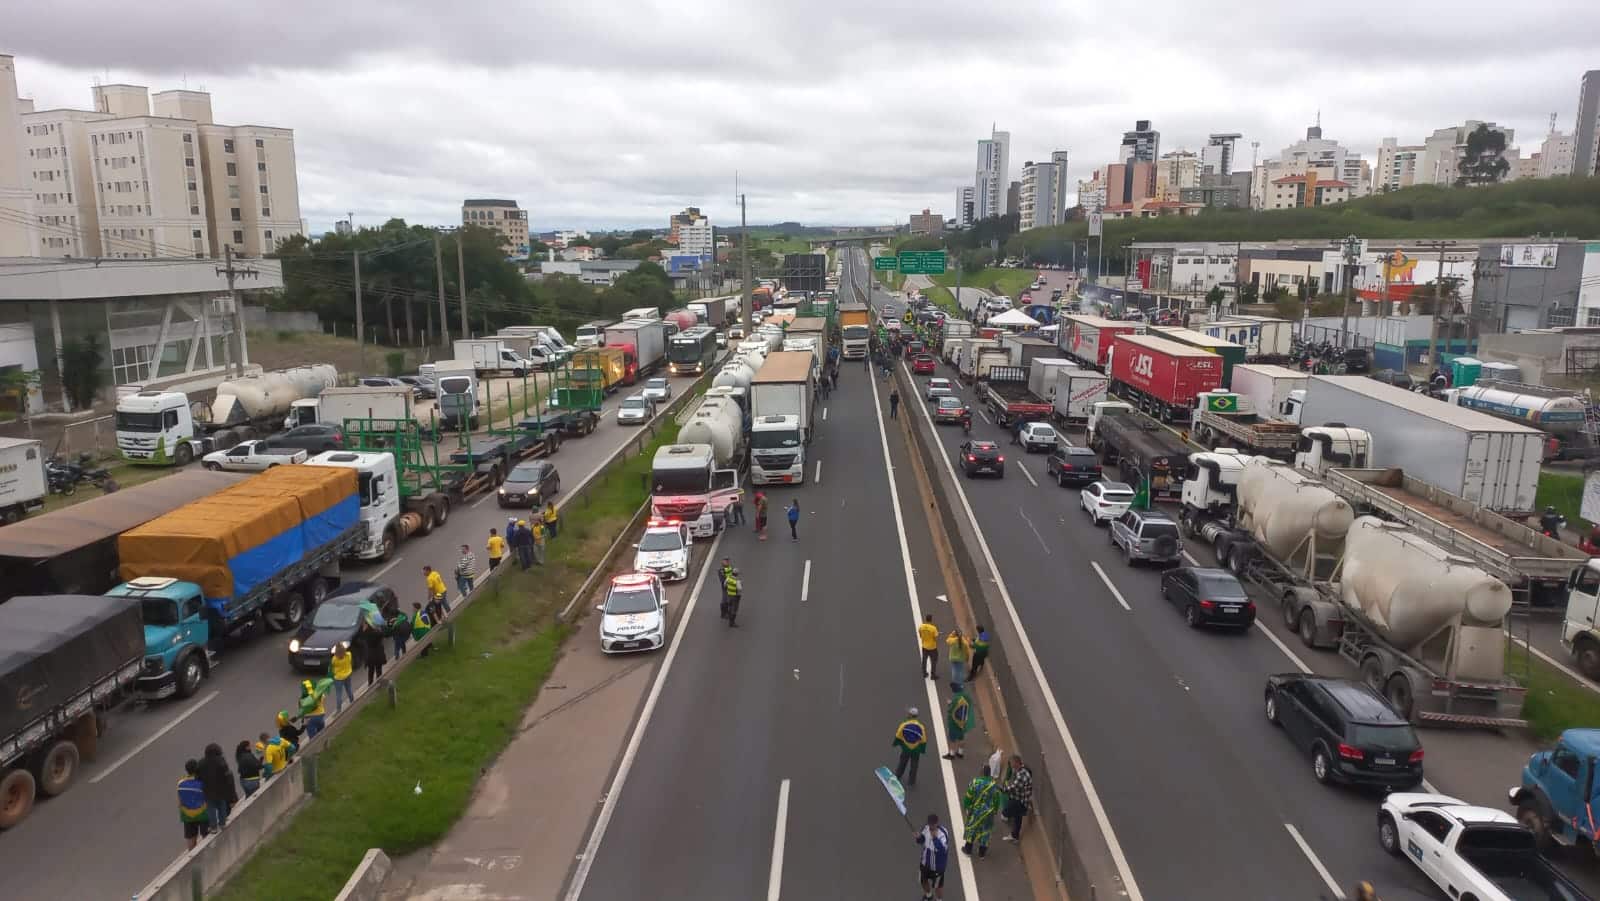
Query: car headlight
x,y
502,491
294,645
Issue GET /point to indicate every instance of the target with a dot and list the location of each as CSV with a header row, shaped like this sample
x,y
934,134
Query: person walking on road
x,y
911,739
761,516
341,666
960,651
980,650
732,589
894,403
496,546
552,520
216,779
735,514
793,512
928,638
1018,790
978,808
466,571
436,591
958,721
935,842
723,572
399,630
249,767
192,810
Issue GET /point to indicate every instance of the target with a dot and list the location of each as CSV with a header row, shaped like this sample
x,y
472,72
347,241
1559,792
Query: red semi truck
x,y
1087,339
1162,377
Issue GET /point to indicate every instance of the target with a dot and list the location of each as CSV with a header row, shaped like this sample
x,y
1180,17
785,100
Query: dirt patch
x,y
281,350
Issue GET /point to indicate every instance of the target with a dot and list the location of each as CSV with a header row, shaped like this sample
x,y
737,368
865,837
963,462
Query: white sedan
x,y
938,388
252,456
1105,501
634,616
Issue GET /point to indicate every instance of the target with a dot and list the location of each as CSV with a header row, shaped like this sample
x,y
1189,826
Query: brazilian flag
x,y
1141,495
911,737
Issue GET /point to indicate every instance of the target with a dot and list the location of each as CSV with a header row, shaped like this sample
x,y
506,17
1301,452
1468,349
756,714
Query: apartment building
x,y
1556,155
1175,171
990,183
927,223
503,217
1295,191
1326,157
1217,157
1042,200
678,220
1092,191
966,206
1142,145
696,237
18,226
63,180
1446,147
1396,167
1586,135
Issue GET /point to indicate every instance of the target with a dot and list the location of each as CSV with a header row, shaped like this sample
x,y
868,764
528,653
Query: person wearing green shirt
x,y
980,650
958,721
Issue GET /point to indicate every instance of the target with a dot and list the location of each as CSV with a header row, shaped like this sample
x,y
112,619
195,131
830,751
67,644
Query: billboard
x,y
1528,256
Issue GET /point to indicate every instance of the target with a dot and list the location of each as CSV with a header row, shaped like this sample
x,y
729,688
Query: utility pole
x,y
744,267
461,282
236,343
1434,350
438,268
361,329
1352,253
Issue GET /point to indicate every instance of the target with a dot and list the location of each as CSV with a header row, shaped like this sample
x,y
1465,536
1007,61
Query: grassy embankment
x,y
458,709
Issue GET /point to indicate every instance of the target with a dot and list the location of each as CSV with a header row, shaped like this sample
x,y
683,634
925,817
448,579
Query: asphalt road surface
x,y
123,806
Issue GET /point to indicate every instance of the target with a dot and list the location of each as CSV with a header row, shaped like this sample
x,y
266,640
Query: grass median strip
x,y
458,709
1554,702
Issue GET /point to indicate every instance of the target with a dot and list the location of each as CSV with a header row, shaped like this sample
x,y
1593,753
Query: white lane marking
x,y
193,708
1315,863
1110,587
985,416
775,878
824,414
1190,557
818,477
608,809
969,882
1293,657
1129,886
390,565
805,583
1571,673
1428,787
490,496
1035,531
1025,473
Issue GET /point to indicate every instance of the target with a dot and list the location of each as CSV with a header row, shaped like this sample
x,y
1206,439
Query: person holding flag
x,y
958,721
313,709
978,808
911,738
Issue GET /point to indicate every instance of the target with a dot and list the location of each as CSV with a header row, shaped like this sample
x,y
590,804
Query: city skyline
x,y
560,122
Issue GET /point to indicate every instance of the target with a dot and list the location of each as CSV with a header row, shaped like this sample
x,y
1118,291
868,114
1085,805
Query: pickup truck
x,y
252,456
1471,853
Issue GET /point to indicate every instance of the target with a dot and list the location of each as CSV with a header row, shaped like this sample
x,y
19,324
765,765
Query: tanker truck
x,y
1424,627
160,428
719,422
1561,413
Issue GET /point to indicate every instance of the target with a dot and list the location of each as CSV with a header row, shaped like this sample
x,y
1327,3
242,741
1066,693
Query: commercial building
x,y
1142,145
678,220
1556,155
1447,147
926,223
1216,158
1043,200
1295,191
1537,285
1013,198
966,206
697,237
1223,191
993,175
1130,184
504,218
1396,167
590,272
1175,171
1586,136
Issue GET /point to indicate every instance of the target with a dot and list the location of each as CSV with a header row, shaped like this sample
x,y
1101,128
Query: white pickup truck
x,y
1471,853
252,456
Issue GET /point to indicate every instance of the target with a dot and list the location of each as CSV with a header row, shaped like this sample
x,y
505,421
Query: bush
x,y
81,372
395,360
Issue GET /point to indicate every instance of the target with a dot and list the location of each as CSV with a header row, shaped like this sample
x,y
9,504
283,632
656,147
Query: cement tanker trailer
x,y
161,427
1561,413
1424,627
719,423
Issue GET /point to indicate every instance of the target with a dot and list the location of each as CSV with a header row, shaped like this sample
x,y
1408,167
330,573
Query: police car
x,y
634,616
664,550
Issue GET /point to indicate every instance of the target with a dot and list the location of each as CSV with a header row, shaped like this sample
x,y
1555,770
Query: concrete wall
x,y
366,883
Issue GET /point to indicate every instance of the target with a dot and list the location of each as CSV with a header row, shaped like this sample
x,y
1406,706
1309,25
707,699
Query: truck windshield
x,y
769,440
138,422
456,385
855,332
681,481
158,612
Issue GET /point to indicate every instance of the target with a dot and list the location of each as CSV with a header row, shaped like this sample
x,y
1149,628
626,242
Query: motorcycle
x,y
63,476
966,424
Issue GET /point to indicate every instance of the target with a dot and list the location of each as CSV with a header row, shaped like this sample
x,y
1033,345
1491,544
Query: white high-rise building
x,y
65,195
991,183
19,232
1397,165
1556,155
1043,198
1586,134
1328,158
1444,149
966,206
696,237
1092,191
1216,158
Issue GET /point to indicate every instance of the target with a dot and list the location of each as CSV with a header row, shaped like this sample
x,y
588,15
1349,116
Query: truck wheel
x,y
184,455
315,592
1530,813
16,797
427,519
1388,835
1399,694
190,672
11,515
57,768
1372,672
1587,657
1308,628
1239,559
442,509
286,612
389,544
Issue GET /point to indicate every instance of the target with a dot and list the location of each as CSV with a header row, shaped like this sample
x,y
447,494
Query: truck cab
x,y
155,427
1333,446
1557,796
177,635
777,451
686,485
377,481
1292,407
590,334
306,411
1580,634
458,397
1210,486
1105,408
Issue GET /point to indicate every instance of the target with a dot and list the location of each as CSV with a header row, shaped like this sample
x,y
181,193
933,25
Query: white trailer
x,y
491,356
1269,388
23,484
335,405
1077,392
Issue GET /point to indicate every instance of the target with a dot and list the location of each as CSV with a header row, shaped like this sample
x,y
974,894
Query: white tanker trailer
x,y
1561,413
719,423
1425,627
161,427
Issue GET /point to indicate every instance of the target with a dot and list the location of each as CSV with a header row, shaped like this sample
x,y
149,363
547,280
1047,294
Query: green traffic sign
x,y
884,263
922,262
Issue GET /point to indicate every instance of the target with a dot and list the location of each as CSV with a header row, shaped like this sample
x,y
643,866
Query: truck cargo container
x,y
1087,339
591,334
1265,339
1487,461
164,427
1230,353
1042,375
1076,393
855,329
23,482
1162,377
64,661
979,359
1271,389
692,351
334,405
784,386
599,368
647,313
645,339
1024,349
1146,451
492,357
1005,392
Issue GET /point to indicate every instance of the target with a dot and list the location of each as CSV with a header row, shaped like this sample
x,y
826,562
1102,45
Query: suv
x,y
982,456
1145,535
1357,360
1350,731
1072,465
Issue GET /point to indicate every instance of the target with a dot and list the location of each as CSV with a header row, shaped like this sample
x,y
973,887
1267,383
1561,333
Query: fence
x,y
273,807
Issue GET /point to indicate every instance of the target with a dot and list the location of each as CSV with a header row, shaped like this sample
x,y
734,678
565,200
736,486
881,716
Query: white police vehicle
x,y
634,616
664,550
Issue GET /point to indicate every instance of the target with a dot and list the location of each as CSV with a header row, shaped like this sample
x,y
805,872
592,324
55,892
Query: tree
x,y
81,372
1249,293
1484,161
1215,297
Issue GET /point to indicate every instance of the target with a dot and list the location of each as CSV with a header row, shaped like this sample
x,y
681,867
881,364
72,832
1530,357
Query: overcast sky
x,y
619,113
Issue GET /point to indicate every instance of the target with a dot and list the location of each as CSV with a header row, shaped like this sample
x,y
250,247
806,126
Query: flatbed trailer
x,y
1006,393
505,451
1247,431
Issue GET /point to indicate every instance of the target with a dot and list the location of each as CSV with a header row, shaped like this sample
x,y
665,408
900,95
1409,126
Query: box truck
x,y
23,483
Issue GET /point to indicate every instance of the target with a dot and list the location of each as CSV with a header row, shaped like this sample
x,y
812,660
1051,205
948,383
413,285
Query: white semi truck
x,y
164,427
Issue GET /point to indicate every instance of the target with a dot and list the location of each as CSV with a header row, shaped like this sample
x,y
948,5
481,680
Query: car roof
x,y
984,445
1453,808
1115,486
531,466
1362,703
1076,449
1152,516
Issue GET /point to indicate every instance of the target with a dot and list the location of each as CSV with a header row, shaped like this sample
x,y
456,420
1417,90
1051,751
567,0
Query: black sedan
x,y
335,622
422,386
1207,597
313,439
530,485
982,457
1350,732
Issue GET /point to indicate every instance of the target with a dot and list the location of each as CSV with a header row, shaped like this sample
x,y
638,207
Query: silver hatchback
x,y
1147,536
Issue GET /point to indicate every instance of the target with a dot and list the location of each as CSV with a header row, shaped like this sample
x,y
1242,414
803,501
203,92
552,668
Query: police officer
x,y
731,587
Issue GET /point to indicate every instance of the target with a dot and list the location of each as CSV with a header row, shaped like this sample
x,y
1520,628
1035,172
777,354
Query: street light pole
x,y
1352,247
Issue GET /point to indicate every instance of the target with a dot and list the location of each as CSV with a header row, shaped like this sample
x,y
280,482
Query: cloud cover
x,y
830,112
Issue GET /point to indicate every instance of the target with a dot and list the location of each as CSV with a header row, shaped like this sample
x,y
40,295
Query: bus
x,y
693,351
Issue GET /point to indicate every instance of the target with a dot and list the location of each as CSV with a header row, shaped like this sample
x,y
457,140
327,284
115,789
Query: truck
x,y
642,313
958,328
1560,412
533,347
1005,392
1423,626
335,405
23,483
1161,377
64,661
1488,461
1265,339
591,334
1024,349
1226,419
493,357
262,552
1558,788
1230,353
693,351
548,335
458,394
644,339
160,428
719,422
1146,451
1087,339
1075,394
1469,852
1044,372
689,486
1271,389
855,329
976,365
809,344
785,386
602,369
808,327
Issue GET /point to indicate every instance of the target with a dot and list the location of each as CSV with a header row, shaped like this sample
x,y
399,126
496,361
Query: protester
x,y
911,738
935,842
496,546
793,512
274,755
341,666
1018,789
894,403
960,651
399,631
420,625
928,638
980,650
192,810
370,639
761,515
736,510
958,721
313,708
435,589
521,542
217,781
289,732
978,807
249,768
538,542
466,571
552,520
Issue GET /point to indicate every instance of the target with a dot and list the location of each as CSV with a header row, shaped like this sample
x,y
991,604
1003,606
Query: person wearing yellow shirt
x,y
340,666
960,652
437,600
552,520
497,549
928,637
538,541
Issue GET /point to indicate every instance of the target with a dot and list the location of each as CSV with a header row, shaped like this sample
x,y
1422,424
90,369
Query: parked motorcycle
x,y
65,475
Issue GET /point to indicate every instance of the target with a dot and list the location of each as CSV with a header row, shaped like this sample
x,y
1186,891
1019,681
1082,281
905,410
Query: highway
x,y
1206,799
123,806
754,776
